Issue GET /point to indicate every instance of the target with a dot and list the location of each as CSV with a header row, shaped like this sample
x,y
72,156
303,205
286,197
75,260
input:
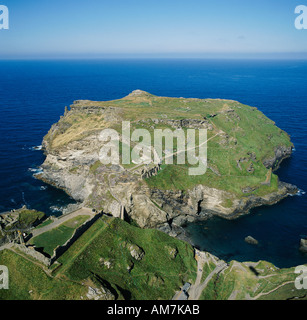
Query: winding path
x,y
198,287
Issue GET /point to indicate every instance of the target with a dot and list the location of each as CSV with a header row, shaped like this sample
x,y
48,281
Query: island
x,y
243,150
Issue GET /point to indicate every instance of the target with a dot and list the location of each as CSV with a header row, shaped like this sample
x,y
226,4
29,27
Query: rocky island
x,y
244,148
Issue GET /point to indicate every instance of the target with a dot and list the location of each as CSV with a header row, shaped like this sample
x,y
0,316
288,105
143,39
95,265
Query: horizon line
x,y
264,56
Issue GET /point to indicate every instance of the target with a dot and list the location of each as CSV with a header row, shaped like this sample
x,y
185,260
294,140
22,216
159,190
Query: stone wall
x,y
183,123
33,253
59,250
150,171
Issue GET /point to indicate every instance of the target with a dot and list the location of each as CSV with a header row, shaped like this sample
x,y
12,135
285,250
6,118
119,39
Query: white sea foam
x,y
64,209
56,209
37,148
35,170
299,193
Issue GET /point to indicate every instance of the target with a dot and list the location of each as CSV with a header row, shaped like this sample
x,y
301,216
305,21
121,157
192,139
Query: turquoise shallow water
x,y
33,95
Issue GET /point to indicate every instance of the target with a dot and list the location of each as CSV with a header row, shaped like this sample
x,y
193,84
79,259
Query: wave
x,y
24,199
299,193
64,209
56,209
36,170
36,148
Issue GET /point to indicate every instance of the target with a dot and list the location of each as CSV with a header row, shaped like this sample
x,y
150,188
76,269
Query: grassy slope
x,y
270,283
156,276
28,281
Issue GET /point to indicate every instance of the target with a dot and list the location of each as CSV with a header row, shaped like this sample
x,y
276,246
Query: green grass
x,y
156,276
29,217
270,284
43,224
287,291
28,281
58,236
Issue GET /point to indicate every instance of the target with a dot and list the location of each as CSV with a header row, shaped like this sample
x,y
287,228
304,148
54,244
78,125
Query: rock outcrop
x,y
136,252
99,294
280,153
303,245
251,240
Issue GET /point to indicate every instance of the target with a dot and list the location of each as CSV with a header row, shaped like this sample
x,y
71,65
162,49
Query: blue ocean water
x,y
33,95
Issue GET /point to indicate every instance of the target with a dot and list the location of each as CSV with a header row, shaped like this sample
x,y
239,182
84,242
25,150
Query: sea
x,y
33,95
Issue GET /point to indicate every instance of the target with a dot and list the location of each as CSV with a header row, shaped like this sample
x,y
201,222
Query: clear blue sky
x,y
93,28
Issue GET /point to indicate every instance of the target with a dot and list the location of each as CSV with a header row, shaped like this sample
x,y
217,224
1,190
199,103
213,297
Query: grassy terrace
x,y
51,239
45,223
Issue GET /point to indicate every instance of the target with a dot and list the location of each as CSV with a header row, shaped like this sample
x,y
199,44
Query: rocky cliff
x,y
244,148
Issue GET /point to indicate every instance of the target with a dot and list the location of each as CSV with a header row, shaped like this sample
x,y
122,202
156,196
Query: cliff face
x,y
244,147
